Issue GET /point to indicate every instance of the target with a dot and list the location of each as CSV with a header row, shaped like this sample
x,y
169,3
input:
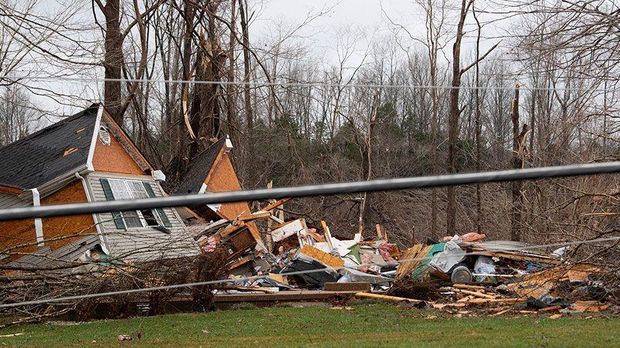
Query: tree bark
x,y
247,96
453,117
518,147
113,59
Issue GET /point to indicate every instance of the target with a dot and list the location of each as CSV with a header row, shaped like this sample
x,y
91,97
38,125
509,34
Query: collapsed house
x,y
85,158
210,172
88,158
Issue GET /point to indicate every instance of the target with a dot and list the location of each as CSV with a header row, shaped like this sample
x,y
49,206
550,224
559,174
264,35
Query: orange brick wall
x,y
114,159
56,228
17,232
20,232
223,178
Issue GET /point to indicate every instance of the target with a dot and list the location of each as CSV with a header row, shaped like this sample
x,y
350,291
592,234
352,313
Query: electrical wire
x,y
241,279
299,84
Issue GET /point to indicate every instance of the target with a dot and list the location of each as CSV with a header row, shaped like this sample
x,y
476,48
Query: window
x,y
120,189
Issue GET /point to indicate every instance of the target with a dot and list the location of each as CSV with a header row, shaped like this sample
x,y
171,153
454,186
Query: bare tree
x,y
456,110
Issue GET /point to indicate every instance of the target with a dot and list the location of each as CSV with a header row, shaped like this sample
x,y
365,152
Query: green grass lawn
x,y
365,325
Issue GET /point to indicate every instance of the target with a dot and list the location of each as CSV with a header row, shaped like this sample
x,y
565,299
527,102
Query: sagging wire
x,y
241,279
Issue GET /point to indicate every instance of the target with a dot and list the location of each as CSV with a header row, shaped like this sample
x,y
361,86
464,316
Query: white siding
x,y
144,243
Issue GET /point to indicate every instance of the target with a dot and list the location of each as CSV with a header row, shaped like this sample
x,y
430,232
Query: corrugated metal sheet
x,y
146,243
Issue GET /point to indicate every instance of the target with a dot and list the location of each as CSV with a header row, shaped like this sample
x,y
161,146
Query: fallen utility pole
x,y
311,190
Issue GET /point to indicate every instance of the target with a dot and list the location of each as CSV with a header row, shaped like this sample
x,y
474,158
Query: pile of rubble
x,y
451,274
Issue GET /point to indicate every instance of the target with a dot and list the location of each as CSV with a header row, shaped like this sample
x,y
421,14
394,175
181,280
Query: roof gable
x,y
49,153
122,138
113,157
198,171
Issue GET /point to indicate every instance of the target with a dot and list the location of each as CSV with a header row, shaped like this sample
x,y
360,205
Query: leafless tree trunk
x,y
478,125
113,59
518,149
247,96
453,115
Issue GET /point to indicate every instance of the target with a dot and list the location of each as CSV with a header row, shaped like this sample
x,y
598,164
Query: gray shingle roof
x,y
40,157
64,256
198,170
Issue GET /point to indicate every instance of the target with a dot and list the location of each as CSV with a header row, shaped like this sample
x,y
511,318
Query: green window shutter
x,y
109,196
162,215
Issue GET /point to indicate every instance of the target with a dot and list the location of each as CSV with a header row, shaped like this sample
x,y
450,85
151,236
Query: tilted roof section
x,y
199,169
55,150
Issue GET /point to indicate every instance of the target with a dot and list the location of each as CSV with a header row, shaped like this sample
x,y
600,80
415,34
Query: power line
x,y
298,84
232,280
311,190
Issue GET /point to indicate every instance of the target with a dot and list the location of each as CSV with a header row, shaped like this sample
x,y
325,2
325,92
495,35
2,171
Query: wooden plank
x,y
328,235
476,294
354,286
254,216
379,234
240,262
271,206
302,295
319,255
386,297
289,229
497,300
229,230
468,286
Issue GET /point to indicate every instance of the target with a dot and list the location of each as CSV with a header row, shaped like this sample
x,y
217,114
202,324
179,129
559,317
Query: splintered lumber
x,y
468,286
496,300
328,235
502,311
289,229
538,284
271,206
317,237
477,294
589,306
444,305
319,255
551,308
354,286
379,234
240,262
465,299
386,297
411,258
254,216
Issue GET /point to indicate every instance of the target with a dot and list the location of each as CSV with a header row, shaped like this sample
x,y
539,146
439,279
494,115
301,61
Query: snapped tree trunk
x,y
113,60
518,148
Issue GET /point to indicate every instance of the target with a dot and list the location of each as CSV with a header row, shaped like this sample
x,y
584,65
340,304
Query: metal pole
x,y
311,190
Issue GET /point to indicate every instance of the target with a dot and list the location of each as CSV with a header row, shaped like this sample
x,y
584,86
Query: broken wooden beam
x,y
303,295
386,297
354,286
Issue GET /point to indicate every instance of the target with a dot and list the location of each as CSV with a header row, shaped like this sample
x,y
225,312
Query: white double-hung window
x,y
123,189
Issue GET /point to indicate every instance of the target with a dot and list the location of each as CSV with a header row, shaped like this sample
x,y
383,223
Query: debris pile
x,y
451,274
262,257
